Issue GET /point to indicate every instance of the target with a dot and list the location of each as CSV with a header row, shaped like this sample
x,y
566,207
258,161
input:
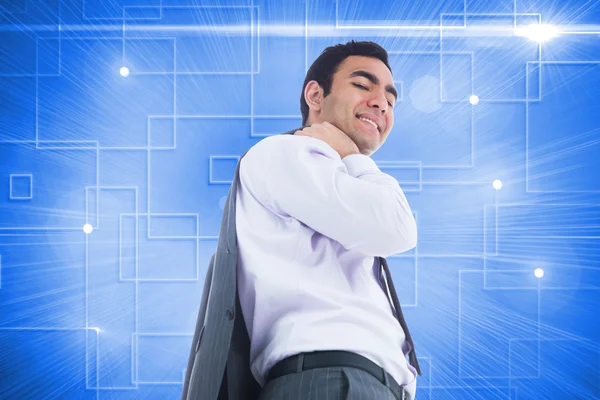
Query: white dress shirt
x,y
309,226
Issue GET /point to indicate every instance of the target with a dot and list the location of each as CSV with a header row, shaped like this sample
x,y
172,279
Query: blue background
x,y
147,161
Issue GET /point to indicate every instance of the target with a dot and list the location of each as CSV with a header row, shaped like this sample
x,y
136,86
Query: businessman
x,y
308,223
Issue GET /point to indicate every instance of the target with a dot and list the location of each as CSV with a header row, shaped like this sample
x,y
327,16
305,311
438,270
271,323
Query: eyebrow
x,y
375,80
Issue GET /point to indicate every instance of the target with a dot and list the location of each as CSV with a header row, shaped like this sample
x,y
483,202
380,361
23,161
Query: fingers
x,y
318,128
307,130
331,127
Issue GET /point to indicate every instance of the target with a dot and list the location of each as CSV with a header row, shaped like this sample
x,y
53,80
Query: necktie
x,y
412,356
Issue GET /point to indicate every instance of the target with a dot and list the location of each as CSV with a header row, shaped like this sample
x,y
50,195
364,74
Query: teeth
x,y
369,121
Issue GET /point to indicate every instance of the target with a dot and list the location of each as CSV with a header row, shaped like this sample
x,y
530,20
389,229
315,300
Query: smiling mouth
x,y
369,122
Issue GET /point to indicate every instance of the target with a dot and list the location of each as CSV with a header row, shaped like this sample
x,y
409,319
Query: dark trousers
x,y
332,383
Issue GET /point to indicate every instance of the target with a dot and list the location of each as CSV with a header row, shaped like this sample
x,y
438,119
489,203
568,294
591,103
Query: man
x,y
313,217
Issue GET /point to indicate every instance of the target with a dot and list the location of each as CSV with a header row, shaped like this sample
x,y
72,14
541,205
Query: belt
x,y
323,359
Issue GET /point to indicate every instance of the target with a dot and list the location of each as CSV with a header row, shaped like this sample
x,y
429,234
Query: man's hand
x,y
332,136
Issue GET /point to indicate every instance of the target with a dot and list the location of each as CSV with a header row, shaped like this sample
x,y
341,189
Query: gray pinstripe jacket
x,y
219,362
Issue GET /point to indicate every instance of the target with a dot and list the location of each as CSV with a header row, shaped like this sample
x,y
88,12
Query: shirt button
x,y
230,314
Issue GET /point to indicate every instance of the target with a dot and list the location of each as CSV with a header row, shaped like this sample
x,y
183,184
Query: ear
x,y
313,94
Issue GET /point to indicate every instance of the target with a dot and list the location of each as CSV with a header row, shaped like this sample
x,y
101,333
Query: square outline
x,y
11,197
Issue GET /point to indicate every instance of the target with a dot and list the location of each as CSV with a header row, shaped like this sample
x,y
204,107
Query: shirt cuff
x,y
359,164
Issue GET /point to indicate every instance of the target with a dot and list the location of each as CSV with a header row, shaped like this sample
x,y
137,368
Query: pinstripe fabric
x,y
214,345
333,383
221,342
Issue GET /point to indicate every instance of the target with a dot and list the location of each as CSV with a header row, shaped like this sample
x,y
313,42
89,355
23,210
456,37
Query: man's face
x,y
362,89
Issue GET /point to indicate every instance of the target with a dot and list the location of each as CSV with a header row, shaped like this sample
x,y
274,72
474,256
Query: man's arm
x,y
350,201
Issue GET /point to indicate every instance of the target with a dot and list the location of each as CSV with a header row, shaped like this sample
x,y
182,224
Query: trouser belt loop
x,y
300,363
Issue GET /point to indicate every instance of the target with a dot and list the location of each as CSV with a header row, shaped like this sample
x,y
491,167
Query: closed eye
x,y
358,85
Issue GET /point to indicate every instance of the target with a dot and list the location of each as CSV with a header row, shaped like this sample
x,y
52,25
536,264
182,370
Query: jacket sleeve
x,y
350,200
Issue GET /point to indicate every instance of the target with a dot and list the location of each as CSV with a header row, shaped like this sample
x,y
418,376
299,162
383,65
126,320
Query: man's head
x,y
347,85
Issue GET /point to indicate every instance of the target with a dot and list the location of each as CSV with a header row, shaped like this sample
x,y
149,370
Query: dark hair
x,y
327,64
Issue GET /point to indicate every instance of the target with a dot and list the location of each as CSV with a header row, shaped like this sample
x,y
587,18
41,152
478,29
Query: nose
x,y
379,102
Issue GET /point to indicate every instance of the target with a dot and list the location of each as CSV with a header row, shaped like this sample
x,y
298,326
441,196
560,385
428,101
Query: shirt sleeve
x,y
350,201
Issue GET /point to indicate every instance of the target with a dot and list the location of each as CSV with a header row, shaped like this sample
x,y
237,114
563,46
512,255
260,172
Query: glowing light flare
x,y
538,32
538,273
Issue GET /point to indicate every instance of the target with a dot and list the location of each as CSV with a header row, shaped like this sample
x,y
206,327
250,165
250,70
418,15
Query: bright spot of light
x,y
97,330
538,272
474,100
497,184
538,32
88,228
124,71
